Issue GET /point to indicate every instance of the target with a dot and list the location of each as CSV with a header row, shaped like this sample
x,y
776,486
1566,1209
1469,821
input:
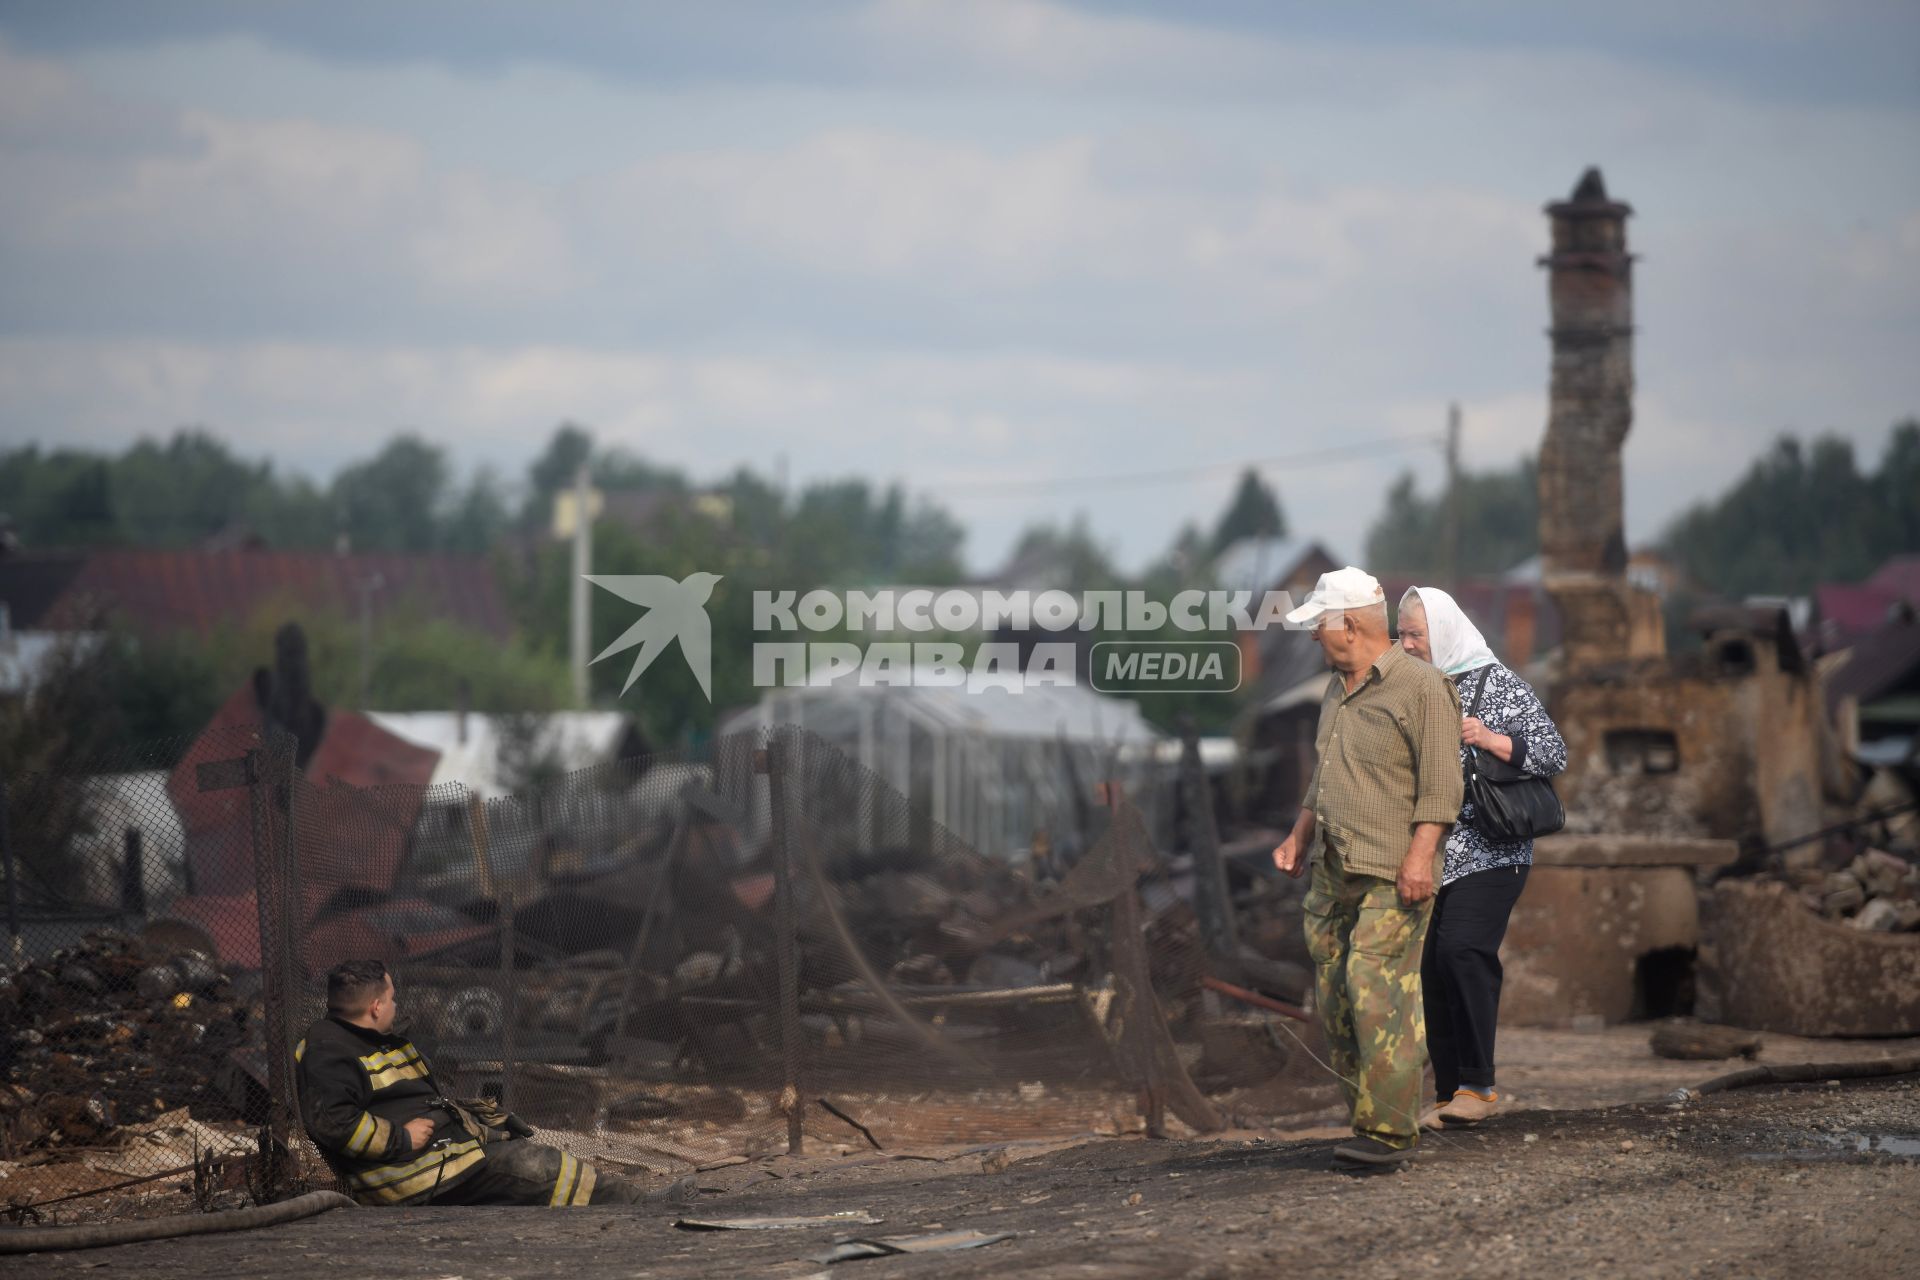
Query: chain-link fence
x,y
661,963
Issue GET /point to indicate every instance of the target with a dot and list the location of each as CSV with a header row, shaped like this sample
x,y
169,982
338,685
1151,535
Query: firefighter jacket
x,y
358,1088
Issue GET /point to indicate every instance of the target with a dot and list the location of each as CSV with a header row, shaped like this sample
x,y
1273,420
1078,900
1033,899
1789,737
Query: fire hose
x,y
99,1234
1800,1073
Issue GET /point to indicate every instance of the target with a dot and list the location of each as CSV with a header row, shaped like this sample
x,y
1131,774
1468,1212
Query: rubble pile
x,y
100,1038
1875,891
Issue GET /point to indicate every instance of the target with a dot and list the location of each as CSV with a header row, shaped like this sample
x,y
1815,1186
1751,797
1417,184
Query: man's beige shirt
x,y
1389,757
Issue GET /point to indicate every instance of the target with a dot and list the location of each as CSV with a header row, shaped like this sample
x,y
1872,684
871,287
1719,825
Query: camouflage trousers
x,y
1366,957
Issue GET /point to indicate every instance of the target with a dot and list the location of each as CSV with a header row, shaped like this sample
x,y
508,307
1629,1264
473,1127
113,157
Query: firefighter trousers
x,y
517,1171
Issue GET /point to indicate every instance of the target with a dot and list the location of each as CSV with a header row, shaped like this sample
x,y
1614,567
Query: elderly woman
x,y
1481,878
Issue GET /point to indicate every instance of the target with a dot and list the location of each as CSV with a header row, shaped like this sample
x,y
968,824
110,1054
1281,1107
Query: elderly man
x,y
372,1105
1385,788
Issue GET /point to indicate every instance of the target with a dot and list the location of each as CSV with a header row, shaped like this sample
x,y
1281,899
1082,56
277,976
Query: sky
x,y
1033,260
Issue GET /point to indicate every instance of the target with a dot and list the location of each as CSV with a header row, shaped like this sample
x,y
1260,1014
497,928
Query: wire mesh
x,y
660,963
130,994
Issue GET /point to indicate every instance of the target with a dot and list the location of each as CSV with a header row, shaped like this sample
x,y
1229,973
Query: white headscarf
x,y
1456,644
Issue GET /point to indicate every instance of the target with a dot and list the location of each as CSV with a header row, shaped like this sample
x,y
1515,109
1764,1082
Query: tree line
x,y
1804,512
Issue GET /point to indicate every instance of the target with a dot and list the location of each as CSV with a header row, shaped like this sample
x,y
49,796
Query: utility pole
x,y
1450,541
582,566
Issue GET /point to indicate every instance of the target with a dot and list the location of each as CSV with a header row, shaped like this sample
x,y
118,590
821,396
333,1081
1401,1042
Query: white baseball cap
x,y
1336,592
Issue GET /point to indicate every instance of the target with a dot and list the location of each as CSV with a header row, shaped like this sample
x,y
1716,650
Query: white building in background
x,y
1009,774
485,753
119,813
28,657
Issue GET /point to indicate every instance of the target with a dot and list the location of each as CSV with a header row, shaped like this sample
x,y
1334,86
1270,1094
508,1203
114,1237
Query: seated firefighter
x,y
372,1106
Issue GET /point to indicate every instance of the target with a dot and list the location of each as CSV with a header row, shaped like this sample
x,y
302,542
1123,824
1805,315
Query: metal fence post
x,y
509,1000
133,874
269,794
1212,901
13,881
775,763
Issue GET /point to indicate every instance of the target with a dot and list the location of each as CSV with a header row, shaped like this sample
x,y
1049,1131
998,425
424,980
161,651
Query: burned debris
x,y
103,1037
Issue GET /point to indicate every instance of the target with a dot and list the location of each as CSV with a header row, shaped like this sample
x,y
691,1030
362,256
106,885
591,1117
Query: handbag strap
x,y
1479,687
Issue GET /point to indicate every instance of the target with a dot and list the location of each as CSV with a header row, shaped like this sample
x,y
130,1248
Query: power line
x,y
1331,453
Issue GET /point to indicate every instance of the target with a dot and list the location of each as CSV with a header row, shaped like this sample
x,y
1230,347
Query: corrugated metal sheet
x,y
352,750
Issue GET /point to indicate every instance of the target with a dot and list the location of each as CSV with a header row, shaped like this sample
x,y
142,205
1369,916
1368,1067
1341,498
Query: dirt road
x,y
1798,1181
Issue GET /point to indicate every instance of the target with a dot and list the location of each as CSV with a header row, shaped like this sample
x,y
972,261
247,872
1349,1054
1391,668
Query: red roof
x,y
1849,610
1899,576
201,590
1881,663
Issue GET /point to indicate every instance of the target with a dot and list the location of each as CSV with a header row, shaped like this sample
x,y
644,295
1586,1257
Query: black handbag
x,y
1508,802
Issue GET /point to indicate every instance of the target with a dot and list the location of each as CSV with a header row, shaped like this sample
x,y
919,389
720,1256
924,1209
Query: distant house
x,y
1272,564
28,657
160,592
29,587
1873,694
1654,571
1512,609
1847,612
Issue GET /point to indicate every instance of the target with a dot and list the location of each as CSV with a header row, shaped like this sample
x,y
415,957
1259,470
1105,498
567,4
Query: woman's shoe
x,y
1469,1108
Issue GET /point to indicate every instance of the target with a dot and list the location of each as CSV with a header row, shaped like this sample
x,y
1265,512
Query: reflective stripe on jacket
x,y
358,1089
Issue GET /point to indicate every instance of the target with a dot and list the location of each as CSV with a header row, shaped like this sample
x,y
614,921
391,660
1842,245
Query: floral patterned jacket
x,y
1507,704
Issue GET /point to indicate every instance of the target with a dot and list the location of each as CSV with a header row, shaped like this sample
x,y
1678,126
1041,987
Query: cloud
x,y
212,225
1079,243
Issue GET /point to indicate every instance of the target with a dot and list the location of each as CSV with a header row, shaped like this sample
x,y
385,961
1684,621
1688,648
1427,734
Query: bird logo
x,y
675,610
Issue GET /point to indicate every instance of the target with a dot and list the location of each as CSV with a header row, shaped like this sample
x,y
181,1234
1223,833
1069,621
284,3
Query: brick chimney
x,y
1582,538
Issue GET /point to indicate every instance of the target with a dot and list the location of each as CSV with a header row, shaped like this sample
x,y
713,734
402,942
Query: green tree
x,y
617,470
841,531
392,501
1072,557
186,489
1895,487
1254,512
173,493
415,662
1499,524
59,498
479,517
1801,515
555,469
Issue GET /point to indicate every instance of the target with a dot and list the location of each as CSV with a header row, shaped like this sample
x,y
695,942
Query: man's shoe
x,y
1430,1118
1469,1108
1371,1152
